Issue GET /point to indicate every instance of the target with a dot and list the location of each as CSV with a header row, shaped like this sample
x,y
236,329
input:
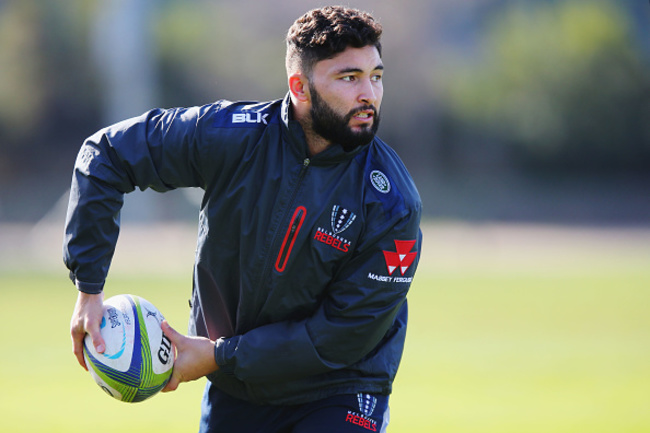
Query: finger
x,y
172,385
77,334
86,317
96,337
77,349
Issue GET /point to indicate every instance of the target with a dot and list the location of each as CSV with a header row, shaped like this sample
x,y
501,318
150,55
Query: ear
x,y
298,87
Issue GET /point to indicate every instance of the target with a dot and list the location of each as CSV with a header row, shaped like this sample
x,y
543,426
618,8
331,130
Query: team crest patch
x,y
341,219
380,181
367,403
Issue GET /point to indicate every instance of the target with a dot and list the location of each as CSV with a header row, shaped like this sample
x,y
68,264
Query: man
x,y
308,237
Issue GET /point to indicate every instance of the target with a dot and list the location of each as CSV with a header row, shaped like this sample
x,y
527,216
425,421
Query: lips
x,y
364,115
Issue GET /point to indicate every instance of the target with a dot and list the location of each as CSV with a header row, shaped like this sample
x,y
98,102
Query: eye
x,y
348,78
376,78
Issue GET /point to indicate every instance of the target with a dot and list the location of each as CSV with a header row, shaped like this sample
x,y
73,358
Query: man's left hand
x,y
194,357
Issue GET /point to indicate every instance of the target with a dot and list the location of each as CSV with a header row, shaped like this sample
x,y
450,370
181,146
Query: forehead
x,y
365,59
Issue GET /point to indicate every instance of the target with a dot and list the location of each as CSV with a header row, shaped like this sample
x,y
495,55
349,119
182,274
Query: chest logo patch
x,y
380,181
341,219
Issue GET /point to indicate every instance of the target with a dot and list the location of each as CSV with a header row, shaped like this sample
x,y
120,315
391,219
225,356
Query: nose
x,y
368,94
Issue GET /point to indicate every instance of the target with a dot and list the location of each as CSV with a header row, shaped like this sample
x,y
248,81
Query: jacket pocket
x,y
290,238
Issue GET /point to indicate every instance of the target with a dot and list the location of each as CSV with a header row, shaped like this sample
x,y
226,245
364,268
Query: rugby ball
x,y
138,359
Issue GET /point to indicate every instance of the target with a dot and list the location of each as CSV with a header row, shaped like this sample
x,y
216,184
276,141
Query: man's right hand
x,y
86,319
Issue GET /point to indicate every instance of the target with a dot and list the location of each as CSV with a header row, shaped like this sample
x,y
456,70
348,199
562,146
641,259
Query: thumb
x,y
174,337
170,332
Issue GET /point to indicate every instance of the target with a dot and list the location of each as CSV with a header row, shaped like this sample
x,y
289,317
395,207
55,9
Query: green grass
x,y
529,354
43,387
554,347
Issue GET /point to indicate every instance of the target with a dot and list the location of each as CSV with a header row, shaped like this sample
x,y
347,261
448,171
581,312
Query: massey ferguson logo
x,y
402,258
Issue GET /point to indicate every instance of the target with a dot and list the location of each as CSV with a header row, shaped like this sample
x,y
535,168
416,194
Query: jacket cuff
x,y
90,288
224,352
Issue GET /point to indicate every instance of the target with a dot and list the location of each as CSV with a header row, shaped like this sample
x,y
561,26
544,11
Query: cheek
x,y
332,99
379,94
345,101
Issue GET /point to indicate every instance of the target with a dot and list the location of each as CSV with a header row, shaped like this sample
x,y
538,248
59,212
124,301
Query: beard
x,y
336,128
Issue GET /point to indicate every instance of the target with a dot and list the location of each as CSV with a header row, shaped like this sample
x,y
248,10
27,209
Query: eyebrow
x,y
358,70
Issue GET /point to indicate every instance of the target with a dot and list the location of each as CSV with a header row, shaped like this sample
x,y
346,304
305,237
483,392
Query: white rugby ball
x,y
138,359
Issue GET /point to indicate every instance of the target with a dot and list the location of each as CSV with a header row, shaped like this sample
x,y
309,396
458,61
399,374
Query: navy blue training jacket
x,y
302,264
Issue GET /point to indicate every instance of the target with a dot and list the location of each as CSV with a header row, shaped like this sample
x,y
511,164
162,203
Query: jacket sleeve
x,y
156,150
358,311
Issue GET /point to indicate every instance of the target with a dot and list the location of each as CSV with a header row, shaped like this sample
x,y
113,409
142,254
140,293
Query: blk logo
x,y
403,257
250,118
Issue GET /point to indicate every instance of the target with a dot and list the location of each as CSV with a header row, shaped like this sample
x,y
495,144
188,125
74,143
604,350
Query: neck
x,y
315,143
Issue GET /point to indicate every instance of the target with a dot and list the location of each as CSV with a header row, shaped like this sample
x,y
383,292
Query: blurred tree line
x,y
473,88
562,85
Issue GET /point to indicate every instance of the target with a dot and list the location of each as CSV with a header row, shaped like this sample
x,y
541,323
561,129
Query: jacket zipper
x,y
294,226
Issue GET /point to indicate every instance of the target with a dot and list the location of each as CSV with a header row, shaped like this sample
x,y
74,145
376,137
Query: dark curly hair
x,y
323,33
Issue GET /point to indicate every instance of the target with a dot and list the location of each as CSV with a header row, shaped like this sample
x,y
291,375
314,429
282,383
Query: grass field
x,y
512,329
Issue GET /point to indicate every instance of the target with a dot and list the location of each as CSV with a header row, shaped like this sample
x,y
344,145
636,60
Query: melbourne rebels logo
x,y
367,405
341,219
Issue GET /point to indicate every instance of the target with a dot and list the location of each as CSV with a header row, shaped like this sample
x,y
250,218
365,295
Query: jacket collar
x,y
332,155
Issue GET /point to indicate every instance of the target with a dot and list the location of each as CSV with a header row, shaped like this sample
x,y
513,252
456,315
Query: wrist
x,y
224,353
85,287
